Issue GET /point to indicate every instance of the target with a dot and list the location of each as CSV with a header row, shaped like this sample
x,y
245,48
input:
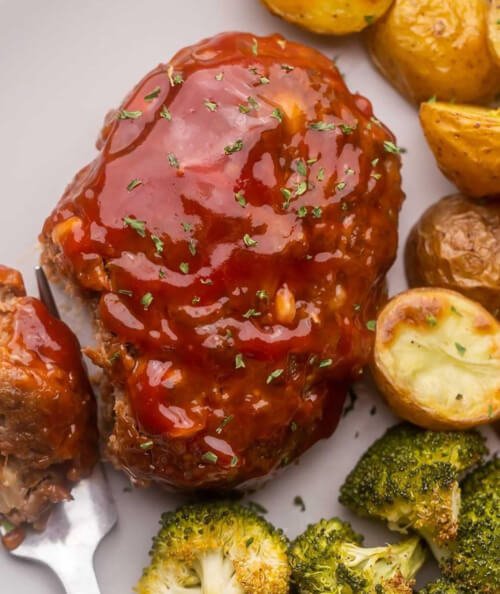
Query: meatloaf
x,y
48,434
232,238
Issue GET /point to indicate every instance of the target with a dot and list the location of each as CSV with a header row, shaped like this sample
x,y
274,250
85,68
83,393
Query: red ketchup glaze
x,y
236,227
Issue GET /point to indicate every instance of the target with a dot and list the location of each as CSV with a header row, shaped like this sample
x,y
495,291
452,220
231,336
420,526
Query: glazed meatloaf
x,y
48,434
232,238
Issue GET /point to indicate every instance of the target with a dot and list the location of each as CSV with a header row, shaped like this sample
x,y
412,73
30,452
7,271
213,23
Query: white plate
x,y
63,63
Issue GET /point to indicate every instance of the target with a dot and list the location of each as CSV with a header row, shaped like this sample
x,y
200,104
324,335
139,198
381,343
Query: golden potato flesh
x,y
494,29
438,48
332,17
437,359
456,245
466,143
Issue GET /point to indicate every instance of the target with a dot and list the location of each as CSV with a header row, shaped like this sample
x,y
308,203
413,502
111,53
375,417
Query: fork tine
x,y
45,292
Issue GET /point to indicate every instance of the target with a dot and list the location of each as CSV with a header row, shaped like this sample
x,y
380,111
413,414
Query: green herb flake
x,y
255,47
219,76
301,167
341,186
347,129
369,19
251,313
490,406
114,357
293,426
249,241
375,162
162,273
173,161
263,80
147,300
287,67
321,174
206,281
287,195
210,105
301,188
299,502
192,247
195,300
126,292
455,311
187,227
376,176
302,212
254,104
123,114
165,113
158,243
240,198
432,99
390,147
274,375
233,148
325,363
371,325
239,363
133,184
322,126
317,212
234,461
138,226
153,95
225,421
147,445
249,541
357,307
460,348
277,115
184,267
210,457
431,320
262,294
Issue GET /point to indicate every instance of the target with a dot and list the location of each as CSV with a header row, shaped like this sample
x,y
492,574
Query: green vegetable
x,y
409,478
328,559
442,587
220,548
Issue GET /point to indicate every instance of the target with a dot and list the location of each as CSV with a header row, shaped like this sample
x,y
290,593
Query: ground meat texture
x,y
48,437
232,235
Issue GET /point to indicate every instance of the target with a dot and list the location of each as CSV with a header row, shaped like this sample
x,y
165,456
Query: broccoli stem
x,y
216,573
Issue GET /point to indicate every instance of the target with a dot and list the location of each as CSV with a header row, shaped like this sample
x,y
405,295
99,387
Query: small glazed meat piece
x,y
48,437
232,237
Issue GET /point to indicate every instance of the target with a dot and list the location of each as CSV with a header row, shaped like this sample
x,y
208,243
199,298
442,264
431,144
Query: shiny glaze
x,y
178,236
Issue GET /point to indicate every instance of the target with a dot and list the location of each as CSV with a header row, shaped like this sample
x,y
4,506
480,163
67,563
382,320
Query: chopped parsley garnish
x,y
184,267
371,325
224,422
210,105
432,99
249,241
460,348
192,247
114,357
255,47
322,126
287,195
317,212
159,245
187,227
138,226
321,174
219,76
153,95
301,188
274,375
234,461
325,363
341,186
165,114
263,80
240,198
175,78
357,307
261,294
390,147
239,363
147,300
293,426
251,313
299,502
195,300
277,114
206,281
123,114
346,129
455,311
369,19
376,176
173,161
210,457
233,148
162,273
147,445
126,292
302,212
287,67
431,320
375,162
133,184
301,167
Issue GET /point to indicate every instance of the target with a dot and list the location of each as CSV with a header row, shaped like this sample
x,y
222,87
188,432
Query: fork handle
x,y
79,578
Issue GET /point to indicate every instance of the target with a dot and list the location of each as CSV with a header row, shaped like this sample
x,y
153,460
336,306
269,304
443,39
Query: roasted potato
x,y
438,48
456,245
466,143
494,29
332,17
437,359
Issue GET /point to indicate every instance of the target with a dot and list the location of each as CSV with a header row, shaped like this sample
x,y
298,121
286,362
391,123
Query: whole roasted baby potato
x,y
494,29
331,17
456,245
466,143
436,48
437,359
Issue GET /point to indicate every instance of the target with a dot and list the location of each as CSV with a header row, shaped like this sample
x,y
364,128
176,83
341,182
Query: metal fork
x,y
76,527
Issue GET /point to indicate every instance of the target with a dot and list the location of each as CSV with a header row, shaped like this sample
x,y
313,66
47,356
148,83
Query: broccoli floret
x,y
474,559
328,559
216,548
442,587
410,479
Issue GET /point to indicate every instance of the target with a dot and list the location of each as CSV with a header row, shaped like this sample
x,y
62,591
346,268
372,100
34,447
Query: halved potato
x,y
438,48
494,29
437,359
331,17
466,143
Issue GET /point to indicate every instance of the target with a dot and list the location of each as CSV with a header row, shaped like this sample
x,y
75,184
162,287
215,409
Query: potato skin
x,y
494,30
456,245
411,308
465,141
436,48
329,17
